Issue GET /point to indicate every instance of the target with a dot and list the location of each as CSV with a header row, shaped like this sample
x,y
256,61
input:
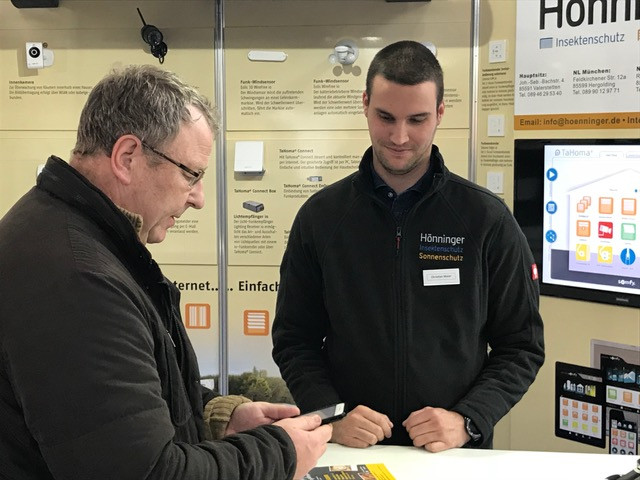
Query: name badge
x,y
442,276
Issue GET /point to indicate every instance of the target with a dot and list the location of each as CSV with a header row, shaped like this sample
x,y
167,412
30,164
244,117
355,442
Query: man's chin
x,y
157,236
398,170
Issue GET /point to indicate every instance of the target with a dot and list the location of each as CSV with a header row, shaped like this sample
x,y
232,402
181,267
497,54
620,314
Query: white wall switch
x,y
495,182
495,125
497,51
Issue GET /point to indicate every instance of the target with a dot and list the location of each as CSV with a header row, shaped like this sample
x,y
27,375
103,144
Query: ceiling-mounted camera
x,y
153,37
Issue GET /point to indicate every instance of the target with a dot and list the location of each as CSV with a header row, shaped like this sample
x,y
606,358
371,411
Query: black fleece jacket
x,y
399,316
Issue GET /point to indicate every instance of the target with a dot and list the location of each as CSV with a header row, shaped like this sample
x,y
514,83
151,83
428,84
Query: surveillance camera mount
x,y
152,36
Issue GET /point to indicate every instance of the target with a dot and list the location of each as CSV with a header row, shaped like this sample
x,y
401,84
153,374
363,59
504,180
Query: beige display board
x,y
42,103
87,39
303,89
262,206
58,93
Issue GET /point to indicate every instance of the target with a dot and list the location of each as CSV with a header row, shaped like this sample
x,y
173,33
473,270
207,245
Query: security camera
x,y
35,59
38,56
153,37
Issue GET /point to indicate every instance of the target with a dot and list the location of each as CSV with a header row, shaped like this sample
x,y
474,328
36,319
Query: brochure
x,y
374,471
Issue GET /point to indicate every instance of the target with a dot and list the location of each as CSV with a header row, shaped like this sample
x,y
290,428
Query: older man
x,y
98,379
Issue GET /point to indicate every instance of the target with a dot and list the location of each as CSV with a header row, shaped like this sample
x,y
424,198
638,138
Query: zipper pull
x,y
398,237
171,338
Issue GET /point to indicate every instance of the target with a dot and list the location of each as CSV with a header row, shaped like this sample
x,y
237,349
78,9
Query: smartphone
x,y
329,414
623,434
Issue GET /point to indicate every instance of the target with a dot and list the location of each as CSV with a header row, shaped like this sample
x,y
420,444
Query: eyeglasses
x,y
196,176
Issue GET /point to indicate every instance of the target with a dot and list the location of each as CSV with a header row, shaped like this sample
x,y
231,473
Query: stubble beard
x,y
388,167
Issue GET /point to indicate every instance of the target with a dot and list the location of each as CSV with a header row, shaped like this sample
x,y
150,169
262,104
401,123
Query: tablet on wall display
x,y
578,202
579,404
622,381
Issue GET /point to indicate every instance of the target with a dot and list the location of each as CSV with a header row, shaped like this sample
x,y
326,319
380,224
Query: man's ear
x,y
123,157
365,103
440,112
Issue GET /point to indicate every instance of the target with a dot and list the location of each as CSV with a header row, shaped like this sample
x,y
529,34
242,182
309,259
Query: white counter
x,y
409,463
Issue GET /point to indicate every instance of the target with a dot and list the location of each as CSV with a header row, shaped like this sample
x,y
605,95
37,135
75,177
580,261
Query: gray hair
x,y
408,63
142,100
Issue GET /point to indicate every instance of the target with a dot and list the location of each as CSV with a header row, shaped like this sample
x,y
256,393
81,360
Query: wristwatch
x,y
472,430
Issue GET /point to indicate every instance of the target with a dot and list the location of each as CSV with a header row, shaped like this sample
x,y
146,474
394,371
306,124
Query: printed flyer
x,y
376,471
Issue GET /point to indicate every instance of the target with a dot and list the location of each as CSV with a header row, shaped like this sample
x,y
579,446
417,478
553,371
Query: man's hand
x,y
361,428
309,438
436,429
253,414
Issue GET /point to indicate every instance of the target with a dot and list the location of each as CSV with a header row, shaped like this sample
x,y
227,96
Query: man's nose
x,y
196,197
399,133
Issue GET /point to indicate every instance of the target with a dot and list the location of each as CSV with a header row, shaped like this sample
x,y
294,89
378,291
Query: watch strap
x,y
472,430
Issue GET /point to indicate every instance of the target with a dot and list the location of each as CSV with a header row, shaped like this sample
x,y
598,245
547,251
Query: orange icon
x,y
256,322
605,205
628,206
197,315
583,228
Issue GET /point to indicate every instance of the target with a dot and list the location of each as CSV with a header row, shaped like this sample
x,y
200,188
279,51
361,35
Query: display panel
x,y
622,382
580,404
623,434
578,203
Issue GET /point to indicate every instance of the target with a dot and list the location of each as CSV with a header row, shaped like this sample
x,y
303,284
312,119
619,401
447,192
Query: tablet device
x,y
580,404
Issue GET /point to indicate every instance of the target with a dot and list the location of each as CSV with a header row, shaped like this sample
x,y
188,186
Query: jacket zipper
x,y
398,400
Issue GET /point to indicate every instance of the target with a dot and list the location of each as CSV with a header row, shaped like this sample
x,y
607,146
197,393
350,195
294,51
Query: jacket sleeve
x,y
86,379
265,452
301,321
514,328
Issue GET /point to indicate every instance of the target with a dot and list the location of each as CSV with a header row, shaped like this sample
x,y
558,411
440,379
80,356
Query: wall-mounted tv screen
x,y
578,203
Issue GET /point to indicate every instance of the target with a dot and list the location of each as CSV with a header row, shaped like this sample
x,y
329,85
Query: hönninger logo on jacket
x,y
441,248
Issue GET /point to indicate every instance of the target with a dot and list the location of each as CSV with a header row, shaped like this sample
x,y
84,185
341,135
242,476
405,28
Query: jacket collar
x,y
64,182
